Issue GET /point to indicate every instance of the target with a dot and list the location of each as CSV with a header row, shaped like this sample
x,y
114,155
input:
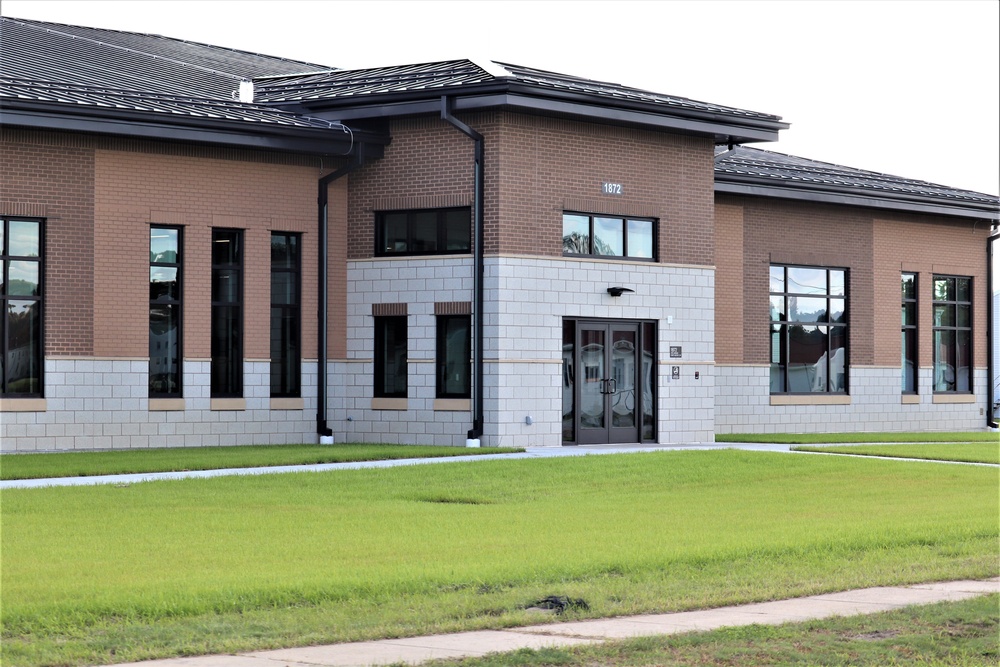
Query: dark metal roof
x,y
411,89
752,171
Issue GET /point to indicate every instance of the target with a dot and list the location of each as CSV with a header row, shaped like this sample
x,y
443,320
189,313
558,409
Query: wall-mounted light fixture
x,y
618,291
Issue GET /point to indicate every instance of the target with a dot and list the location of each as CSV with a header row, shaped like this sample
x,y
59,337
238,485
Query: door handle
x,y
613,386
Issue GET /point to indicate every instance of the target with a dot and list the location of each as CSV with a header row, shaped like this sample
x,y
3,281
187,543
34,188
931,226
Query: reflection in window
x,y
908,333
607,236
952,334
227,313
808,330
423,232
21,271
286,316
164,312
454,356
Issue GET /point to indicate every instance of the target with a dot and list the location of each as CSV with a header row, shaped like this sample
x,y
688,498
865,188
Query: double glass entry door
x,y
607,388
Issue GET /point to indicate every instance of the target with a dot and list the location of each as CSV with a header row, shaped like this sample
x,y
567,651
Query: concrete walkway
x,y
415,650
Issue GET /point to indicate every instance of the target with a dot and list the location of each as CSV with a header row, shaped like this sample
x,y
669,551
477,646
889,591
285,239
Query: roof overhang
x,y
724,128
100,120
887,201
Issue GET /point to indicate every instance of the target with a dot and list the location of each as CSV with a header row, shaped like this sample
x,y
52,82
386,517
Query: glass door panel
x,y
592,379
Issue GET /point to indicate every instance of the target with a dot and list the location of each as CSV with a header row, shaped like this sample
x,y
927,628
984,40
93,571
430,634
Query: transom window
x,y
952,334
608,236
423,232
21,271
808,330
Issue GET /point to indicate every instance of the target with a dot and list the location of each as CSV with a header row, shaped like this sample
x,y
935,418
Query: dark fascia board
x,y
244,135
909,203
724,128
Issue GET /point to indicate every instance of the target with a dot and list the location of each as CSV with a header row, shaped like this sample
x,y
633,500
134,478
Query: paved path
x,y
529,453
415,650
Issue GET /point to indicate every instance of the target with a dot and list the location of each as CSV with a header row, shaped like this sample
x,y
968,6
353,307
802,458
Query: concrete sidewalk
x,y
415,650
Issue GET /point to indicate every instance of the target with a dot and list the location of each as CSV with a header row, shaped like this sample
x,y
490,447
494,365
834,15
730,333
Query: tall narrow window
x,y
808,330
165,312
390,357
909,333
454,360
21,339
286,315
952,334
227,313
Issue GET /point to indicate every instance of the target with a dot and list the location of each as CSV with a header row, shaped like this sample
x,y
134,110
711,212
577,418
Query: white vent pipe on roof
x,y
246,91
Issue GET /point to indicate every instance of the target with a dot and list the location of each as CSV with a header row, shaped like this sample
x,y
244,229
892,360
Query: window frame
x,y
784,327
654,223
440,230
910,353
5,298
382,323
936,328
235,358
444,356
178,302
290,356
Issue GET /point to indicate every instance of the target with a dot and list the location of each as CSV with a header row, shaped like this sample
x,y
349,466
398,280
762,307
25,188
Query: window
x,y
952,334
227,313
909,333
21,272
608,236
390,357
424,232
808,330
165,312
286,315
454,364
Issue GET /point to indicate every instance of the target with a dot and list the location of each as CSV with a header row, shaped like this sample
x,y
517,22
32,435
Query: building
x,y
451,251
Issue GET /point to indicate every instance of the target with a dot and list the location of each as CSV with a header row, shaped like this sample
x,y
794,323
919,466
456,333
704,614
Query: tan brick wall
x,y
53,177
729,297
789,232
535,168
926,245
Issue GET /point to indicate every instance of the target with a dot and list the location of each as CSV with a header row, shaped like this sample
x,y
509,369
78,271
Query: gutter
x,y
323,200
476,432
992,334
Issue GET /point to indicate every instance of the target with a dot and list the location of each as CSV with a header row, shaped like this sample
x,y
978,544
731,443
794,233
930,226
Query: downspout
x,y
322,292
476,432
992,335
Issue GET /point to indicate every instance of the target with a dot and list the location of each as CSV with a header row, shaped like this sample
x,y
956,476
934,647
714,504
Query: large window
x,y
21,339
952,334
227,313
164,312
608,236
454,360
390,356
808,330
909,333
424,232
286,315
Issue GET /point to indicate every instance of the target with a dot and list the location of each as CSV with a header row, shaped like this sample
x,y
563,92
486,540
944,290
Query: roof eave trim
x,y
933,207
737,132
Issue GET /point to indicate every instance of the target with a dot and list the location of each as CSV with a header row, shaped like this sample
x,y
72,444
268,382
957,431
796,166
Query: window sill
x,y
954,398
23,405
819,399
390,403
288,403
238,404
910,399
452,404
167,404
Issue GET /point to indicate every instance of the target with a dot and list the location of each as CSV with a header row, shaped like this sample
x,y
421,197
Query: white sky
x,y
906,88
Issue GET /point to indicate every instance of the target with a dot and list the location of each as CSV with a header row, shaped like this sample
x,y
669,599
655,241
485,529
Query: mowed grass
x,y
823,438
171,459
971,452
117,574
955,634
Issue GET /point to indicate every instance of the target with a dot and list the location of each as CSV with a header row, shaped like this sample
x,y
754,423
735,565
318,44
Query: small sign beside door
x,y
675,351
675,372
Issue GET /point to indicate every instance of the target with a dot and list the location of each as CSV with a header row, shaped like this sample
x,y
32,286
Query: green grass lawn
x,y
168,459
972,452
823,438
949,633
123,573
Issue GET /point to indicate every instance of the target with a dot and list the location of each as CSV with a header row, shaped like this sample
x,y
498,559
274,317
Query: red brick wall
x,y
729,295
52,176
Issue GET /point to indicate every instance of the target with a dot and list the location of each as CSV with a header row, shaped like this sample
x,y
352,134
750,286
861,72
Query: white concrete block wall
x,y
743,405
99,404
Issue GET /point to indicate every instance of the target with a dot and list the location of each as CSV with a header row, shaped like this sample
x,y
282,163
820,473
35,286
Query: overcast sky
x,y
906,88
